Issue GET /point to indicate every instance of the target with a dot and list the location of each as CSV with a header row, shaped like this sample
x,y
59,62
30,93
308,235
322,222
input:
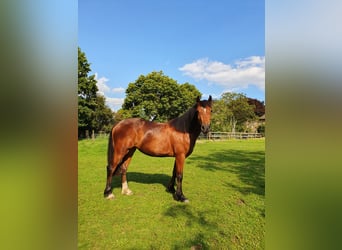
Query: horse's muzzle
x,y
205,129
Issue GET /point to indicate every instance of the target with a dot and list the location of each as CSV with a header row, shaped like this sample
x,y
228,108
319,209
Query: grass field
x,y
224,181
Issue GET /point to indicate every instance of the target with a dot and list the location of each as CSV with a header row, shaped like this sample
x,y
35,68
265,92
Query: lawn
x,y
224,181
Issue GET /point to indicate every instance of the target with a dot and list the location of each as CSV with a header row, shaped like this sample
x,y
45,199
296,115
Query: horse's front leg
x,y
179,196
127,159
125,190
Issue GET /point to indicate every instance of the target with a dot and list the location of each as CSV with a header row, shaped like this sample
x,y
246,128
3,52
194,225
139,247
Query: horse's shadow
x,y
248,166
143,178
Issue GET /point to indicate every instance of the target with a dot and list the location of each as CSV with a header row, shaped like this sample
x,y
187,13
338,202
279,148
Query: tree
x,y
261,129
93,114
189,94
103,115
221,116
86,95
240,109
259,109
158,97
231,112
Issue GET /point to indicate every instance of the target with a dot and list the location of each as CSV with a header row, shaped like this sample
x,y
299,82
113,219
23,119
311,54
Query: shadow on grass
x,y
142,178
149,178
192,219
248,166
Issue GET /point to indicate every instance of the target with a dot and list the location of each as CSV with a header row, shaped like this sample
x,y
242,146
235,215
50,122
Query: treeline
x,y
160,98
93,114
234,112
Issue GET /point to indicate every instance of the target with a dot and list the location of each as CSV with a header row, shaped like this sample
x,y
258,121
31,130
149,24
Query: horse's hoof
x,y
183,199
110,197
180,198
127,192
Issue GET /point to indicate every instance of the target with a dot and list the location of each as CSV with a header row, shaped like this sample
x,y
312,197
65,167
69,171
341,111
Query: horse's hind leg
x,y
108,190
111,167
127,159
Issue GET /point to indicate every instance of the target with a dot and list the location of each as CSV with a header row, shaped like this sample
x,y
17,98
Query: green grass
x,y
223,180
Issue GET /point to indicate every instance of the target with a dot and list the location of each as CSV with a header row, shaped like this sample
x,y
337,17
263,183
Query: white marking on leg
x,y
125,190
125,185
110,197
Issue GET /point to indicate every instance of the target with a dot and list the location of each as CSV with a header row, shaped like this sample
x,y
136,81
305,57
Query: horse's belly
x,y
155,146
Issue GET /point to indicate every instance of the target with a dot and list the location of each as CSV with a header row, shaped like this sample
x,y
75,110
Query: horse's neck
x,y
194,132
187,123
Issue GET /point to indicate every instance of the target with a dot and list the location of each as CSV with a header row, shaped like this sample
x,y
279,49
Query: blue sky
x,y
217,45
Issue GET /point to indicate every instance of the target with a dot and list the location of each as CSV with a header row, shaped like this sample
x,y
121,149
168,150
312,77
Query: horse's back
x,y
130,122
132,130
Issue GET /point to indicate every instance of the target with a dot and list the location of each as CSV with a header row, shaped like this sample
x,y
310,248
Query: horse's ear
x,y
210,100
198,99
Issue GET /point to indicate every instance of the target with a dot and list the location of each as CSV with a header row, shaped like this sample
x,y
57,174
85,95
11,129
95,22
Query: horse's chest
x,y
181,144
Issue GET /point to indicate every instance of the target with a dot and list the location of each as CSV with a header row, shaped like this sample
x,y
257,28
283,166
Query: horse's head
x,y
203,109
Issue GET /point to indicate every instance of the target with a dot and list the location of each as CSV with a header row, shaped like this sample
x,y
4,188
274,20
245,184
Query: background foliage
x,y
231,113
93,113
158,97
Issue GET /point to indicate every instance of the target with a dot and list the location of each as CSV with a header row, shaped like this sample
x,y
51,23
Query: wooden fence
x,y
229,135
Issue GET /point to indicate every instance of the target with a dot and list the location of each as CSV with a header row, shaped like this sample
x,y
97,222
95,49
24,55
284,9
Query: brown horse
x,y
175,138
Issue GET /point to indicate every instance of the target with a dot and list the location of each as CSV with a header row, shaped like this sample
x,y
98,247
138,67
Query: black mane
x,y
186,123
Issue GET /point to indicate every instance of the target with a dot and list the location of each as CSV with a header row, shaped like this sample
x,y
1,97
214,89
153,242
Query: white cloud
x,y
101,84
114,103
105,90
118,90
244,72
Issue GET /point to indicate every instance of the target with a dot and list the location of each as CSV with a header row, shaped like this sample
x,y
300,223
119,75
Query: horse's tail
x,y
110,154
